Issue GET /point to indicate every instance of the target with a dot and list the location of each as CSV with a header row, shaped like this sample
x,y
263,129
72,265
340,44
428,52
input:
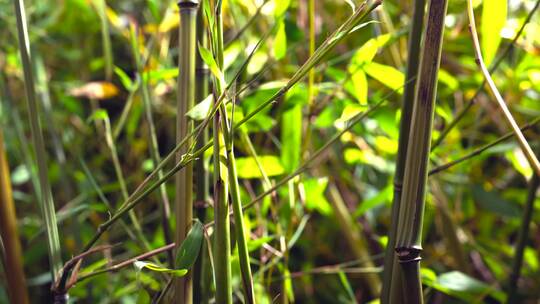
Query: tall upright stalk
x,y
222,239
411,211
522,240
184,179
202,181
391,275
47,203
16,282
243,253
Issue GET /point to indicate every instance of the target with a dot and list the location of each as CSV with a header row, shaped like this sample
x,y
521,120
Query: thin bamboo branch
x,y
186,95
411,211
517,263
9,236
482,149
126,263
47,203
524,145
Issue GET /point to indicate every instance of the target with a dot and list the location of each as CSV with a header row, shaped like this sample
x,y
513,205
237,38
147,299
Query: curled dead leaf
x,y
95,90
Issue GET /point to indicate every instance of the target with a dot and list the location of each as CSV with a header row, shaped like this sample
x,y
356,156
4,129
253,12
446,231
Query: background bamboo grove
x,y
269,151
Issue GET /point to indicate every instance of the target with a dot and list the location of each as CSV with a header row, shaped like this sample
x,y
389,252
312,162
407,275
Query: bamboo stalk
x,y
239,225
47,203
186,93
524,145
16,282
222,239
202,186
391,273
411,211
517,263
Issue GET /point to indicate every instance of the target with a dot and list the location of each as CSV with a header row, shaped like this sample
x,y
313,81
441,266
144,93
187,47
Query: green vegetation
x,y
269,151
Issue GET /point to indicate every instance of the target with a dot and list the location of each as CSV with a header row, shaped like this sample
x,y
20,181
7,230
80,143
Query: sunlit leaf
x,y
315,198
291,138
387,75
494,13
200,110
280,42
247,166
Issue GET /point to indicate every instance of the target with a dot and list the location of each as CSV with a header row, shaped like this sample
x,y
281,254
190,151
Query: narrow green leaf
x,y
153,267
291,138
189,250
208,58
280,42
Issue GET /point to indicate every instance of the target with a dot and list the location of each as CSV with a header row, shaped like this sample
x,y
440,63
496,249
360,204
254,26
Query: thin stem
x,y
126,263
522,240
524,145
239,224
482,149
47,203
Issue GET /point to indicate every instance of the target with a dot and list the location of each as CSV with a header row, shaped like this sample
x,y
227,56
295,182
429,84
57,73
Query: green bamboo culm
x,y
391,276
234,187
513,295
202,181
45,194
9,237
411,211
184,179
222,247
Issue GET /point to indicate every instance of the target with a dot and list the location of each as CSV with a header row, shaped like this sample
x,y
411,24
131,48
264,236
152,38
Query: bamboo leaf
x,y
200,110
464,287
387,75
280,42
208,58
494,13
153,267
291,137
247,166
189,250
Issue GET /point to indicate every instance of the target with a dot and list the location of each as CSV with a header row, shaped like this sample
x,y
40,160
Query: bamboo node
x,y
409,254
